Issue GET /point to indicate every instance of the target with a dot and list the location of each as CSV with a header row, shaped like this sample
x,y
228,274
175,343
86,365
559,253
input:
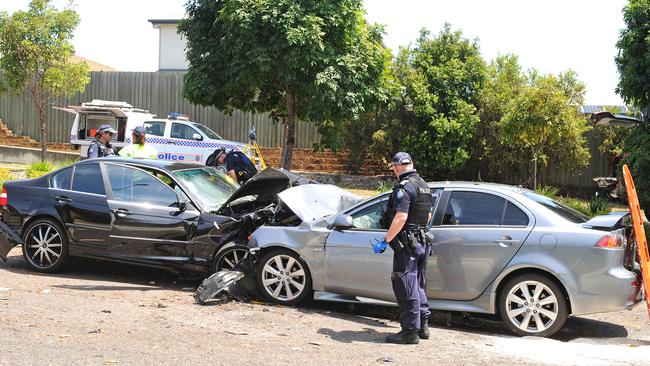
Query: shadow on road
x,y
91,270
348,336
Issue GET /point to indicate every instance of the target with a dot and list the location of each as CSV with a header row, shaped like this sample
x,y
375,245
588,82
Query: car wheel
x,y
230,257
283,277
532,305
45,246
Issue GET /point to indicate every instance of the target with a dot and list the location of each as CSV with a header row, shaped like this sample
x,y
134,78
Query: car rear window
x,y
555,206
62,179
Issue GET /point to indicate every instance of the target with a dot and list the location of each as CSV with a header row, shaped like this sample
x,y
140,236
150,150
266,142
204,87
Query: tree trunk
x,y
289,131
40,107
534,182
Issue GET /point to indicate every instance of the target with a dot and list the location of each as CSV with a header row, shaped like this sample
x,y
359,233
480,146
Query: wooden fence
x,y
160,93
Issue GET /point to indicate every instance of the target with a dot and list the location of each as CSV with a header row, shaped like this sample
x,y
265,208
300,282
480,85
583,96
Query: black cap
x,y
221,151
139,130
106,128
402,158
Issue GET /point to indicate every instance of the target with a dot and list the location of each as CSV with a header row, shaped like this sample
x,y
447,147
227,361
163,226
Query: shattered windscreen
x,y
208,186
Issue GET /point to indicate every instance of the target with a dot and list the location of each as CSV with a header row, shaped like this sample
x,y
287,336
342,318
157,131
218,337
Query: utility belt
x,y
410,237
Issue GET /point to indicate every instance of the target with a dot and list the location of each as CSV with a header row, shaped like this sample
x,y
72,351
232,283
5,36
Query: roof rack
x,y
99,103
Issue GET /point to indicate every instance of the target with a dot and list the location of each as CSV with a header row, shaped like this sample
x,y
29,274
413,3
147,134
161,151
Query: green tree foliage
x,y
633,63
35,53
637,158
313,60
544,121
633,60
434,109
504,81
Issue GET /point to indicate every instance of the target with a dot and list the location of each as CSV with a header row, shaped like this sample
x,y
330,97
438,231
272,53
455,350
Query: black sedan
x,y
181,216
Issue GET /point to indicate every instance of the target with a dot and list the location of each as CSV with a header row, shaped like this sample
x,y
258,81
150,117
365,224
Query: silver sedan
x,y
497,249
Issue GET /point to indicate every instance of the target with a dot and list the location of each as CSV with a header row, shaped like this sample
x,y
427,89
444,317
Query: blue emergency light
x,y
178,116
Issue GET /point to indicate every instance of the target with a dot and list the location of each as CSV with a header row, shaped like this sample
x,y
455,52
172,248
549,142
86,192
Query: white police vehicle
x,y
175,137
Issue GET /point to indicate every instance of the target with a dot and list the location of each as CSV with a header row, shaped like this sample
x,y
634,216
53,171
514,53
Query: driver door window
x,y
137,186
181,131
369,218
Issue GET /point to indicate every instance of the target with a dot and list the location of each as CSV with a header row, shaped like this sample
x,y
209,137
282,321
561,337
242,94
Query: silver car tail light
x,y
613,240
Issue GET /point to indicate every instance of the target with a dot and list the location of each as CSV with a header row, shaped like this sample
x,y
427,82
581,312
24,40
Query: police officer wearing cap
x,y
407,216
101,145
238,166
138,148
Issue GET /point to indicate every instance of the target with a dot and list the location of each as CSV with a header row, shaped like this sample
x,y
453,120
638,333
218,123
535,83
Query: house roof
x,y
94,66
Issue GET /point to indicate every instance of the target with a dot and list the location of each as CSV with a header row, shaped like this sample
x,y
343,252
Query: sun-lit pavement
x,y
102,313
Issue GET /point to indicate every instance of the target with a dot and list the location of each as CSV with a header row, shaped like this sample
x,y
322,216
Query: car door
x,y
78,193
351,267
147,223
183,146
476,233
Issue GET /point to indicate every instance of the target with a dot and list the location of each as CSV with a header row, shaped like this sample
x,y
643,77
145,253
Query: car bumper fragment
x,y
8,239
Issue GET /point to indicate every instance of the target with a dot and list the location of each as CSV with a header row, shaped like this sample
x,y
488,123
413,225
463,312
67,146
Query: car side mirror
x,y
182,204
197,137
342,222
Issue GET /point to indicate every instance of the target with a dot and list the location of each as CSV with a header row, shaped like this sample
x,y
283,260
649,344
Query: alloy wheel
x,y
43,245
532,306
231,258
283,278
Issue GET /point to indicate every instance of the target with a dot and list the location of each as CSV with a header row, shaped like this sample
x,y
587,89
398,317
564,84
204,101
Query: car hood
x,y
264,184
314,201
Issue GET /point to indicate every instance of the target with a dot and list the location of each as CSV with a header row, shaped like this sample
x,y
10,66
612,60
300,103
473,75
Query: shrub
x,y
576,204
548,191
599,206
35,170
5,175
384,186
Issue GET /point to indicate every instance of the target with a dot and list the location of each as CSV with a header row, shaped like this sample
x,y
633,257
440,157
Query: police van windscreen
x,y
208,132
209,187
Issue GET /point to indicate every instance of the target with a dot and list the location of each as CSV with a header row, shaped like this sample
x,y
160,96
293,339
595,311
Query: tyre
x,y
532,305
283,278
230,256
45,246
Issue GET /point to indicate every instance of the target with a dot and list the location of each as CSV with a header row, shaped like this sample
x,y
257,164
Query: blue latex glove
x,y
379,246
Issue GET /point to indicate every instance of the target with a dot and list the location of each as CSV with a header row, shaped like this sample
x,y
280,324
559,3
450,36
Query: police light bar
x,y
178,116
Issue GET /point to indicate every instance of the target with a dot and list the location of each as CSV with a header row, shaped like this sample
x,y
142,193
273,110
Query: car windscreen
x,y
555,206
208,132
208,186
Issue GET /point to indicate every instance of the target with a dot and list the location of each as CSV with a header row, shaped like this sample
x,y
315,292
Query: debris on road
x,y
385,359
235,333
215,284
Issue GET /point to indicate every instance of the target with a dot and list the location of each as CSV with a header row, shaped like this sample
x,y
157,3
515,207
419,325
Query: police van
x,y
175,137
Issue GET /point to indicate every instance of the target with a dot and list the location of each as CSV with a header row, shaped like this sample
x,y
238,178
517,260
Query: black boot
x,y
424,328
405,336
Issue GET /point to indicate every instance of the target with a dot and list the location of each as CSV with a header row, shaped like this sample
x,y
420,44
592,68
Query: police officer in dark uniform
x,y
101,145
407,216
237,165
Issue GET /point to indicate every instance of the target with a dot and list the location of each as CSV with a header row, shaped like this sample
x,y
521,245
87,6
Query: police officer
x,y
239,167
138,149
101,145
408,213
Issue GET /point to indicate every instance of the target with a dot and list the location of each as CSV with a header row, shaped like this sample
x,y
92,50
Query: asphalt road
x,y
109,314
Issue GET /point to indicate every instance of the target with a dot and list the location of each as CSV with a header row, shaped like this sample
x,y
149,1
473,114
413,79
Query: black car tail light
x,y
3,197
